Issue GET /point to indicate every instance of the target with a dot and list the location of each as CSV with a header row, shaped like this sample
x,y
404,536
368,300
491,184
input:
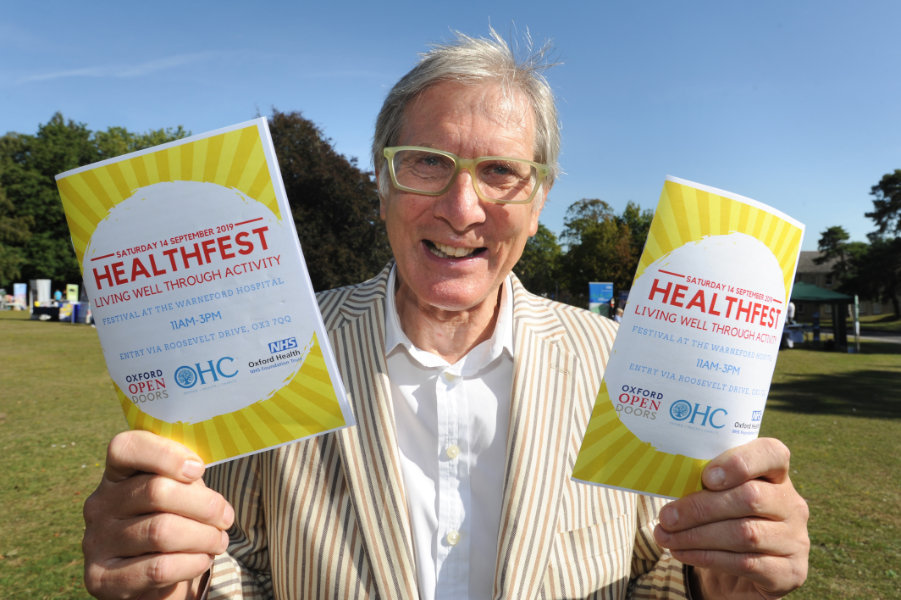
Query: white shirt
x,y
452,423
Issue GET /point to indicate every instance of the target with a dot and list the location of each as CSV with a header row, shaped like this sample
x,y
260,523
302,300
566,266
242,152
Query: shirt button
x,y
452,451
452,538
449,377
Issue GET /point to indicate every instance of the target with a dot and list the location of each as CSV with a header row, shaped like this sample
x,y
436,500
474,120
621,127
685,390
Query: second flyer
x,y
691,366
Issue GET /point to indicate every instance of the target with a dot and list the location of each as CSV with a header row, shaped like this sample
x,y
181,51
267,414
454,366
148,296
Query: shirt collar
x,y
500,342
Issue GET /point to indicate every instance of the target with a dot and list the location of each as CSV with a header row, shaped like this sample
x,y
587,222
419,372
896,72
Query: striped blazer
x,y
326,518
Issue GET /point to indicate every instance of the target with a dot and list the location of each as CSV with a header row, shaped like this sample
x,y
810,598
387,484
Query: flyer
x,y
197,285
691,366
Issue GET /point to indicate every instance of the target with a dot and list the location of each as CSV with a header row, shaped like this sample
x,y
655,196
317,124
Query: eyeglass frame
x,y
542,172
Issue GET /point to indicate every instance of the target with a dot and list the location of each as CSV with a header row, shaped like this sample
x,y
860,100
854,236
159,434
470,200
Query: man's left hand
x,y
745,533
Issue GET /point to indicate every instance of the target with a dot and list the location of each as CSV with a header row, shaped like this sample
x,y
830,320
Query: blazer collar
x,y
369,450
538,467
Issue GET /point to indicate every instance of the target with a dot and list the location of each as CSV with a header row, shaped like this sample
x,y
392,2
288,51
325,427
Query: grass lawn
x,y
841,416
57,413
839,413
880,323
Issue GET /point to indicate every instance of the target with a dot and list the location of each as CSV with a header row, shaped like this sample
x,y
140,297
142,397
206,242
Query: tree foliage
x,y
886,211
34,236
14,232
883,261
539,266
833,247
602,246
871,270
335,205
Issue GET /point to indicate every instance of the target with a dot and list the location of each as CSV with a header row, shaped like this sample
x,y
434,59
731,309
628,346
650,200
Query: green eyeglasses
x,y
431,172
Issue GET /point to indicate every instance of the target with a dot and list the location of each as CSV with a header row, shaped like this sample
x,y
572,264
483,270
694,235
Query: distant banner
x,y
600,293
20,294
691,366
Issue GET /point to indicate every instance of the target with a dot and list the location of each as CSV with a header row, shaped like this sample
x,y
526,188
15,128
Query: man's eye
x,y
504,170
500,169
430,161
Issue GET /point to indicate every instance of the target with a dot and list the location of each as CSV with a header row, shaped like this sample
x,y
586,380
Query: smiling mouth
x,y
443,251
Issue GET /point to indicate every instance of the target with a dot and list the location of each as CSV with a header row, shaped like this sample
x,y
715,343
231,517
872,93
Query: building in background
x,y
821,275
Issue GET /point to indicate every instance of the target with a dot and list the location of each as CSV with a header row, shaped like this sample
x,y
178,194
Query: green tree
x,y
28,166
874,271
117,141
27,169
833,246
883,261
539,266
602,246
14,231
886,211
582,216
639,223
851,262
335,205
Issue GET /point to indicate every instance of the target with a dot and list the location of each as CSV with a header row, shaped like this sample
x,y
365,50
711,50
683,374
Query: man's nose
x,y
460,205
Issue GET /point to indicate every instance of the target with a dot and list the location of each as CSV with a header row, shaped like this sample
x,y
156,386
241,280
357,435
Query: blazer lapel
x,y
370,461
537,467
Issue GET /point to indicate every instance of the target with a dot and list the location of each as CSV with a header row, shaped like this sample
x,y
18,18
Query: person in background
x,y
471,397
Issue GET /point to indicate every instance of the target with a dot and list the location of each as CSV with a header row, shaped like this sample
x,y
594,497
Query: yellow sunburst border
x,y
611,454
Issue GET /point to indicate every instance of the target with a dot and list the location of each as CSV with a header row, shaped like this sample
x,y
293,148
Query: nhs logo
x,y
282,345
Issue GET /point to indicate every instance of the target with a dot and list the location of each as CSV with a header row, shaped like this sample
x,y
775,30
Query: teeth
x,y
450,251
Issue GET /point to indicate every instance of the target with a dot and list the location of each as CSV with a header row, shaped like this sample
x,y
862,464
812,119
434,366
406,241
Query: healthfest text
x,y
166,258
738,306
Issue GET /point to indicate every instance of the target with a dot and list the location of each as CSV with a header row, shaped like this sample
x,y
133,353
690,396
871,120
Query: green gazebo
x,y
808,293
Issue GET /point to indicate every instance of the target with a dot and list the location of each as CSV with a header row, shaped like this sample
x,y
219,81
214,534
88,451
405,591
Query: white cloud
x,y
123,71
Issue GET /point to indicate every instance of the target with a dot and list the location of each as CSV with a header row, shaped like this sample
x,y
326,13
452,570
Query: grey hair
x,y
475,60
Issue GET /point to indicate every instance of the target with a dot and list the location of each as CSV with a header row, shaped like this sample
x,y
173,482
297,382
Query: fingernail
x,y
192,469
662,536
716,477
669,516
228,515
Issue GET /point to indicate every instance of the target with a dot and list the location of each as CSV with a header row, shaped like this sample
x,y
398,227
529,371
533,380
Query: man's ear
x,y
537,206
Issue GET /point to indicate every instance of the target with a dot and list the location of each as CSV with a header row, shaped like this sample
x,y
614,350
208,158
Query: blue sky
x,y
792,103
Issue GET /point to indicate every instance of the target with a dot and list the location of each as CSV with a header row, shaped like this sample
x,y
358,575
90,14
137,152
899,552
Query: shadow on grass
x,y
894,319
870,346
868,393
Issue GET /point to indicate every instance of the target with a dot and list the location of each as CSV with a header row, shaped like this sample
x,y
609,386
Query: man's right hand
x,y
152,527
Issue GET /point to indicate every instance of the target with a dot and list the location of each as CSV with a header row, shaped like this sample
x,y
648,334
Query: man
x,y
471,397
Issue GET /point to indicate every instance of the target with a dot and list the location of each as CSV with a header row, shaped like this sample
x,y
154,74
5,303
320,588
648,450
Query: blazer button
x,y
452,538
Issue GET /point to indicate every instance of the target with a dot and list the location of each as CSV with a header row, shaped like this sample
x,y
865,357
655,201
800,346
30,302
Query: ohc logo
x,y
682,410
187,376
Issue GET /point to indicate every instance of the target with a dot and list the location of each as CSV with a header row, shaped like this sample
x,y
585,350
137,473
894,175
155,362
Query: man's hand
x,y
746,532
152,527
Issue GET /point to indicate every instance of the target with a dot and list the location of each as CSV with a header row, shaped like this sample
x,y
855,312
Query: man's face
x,y
454,250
